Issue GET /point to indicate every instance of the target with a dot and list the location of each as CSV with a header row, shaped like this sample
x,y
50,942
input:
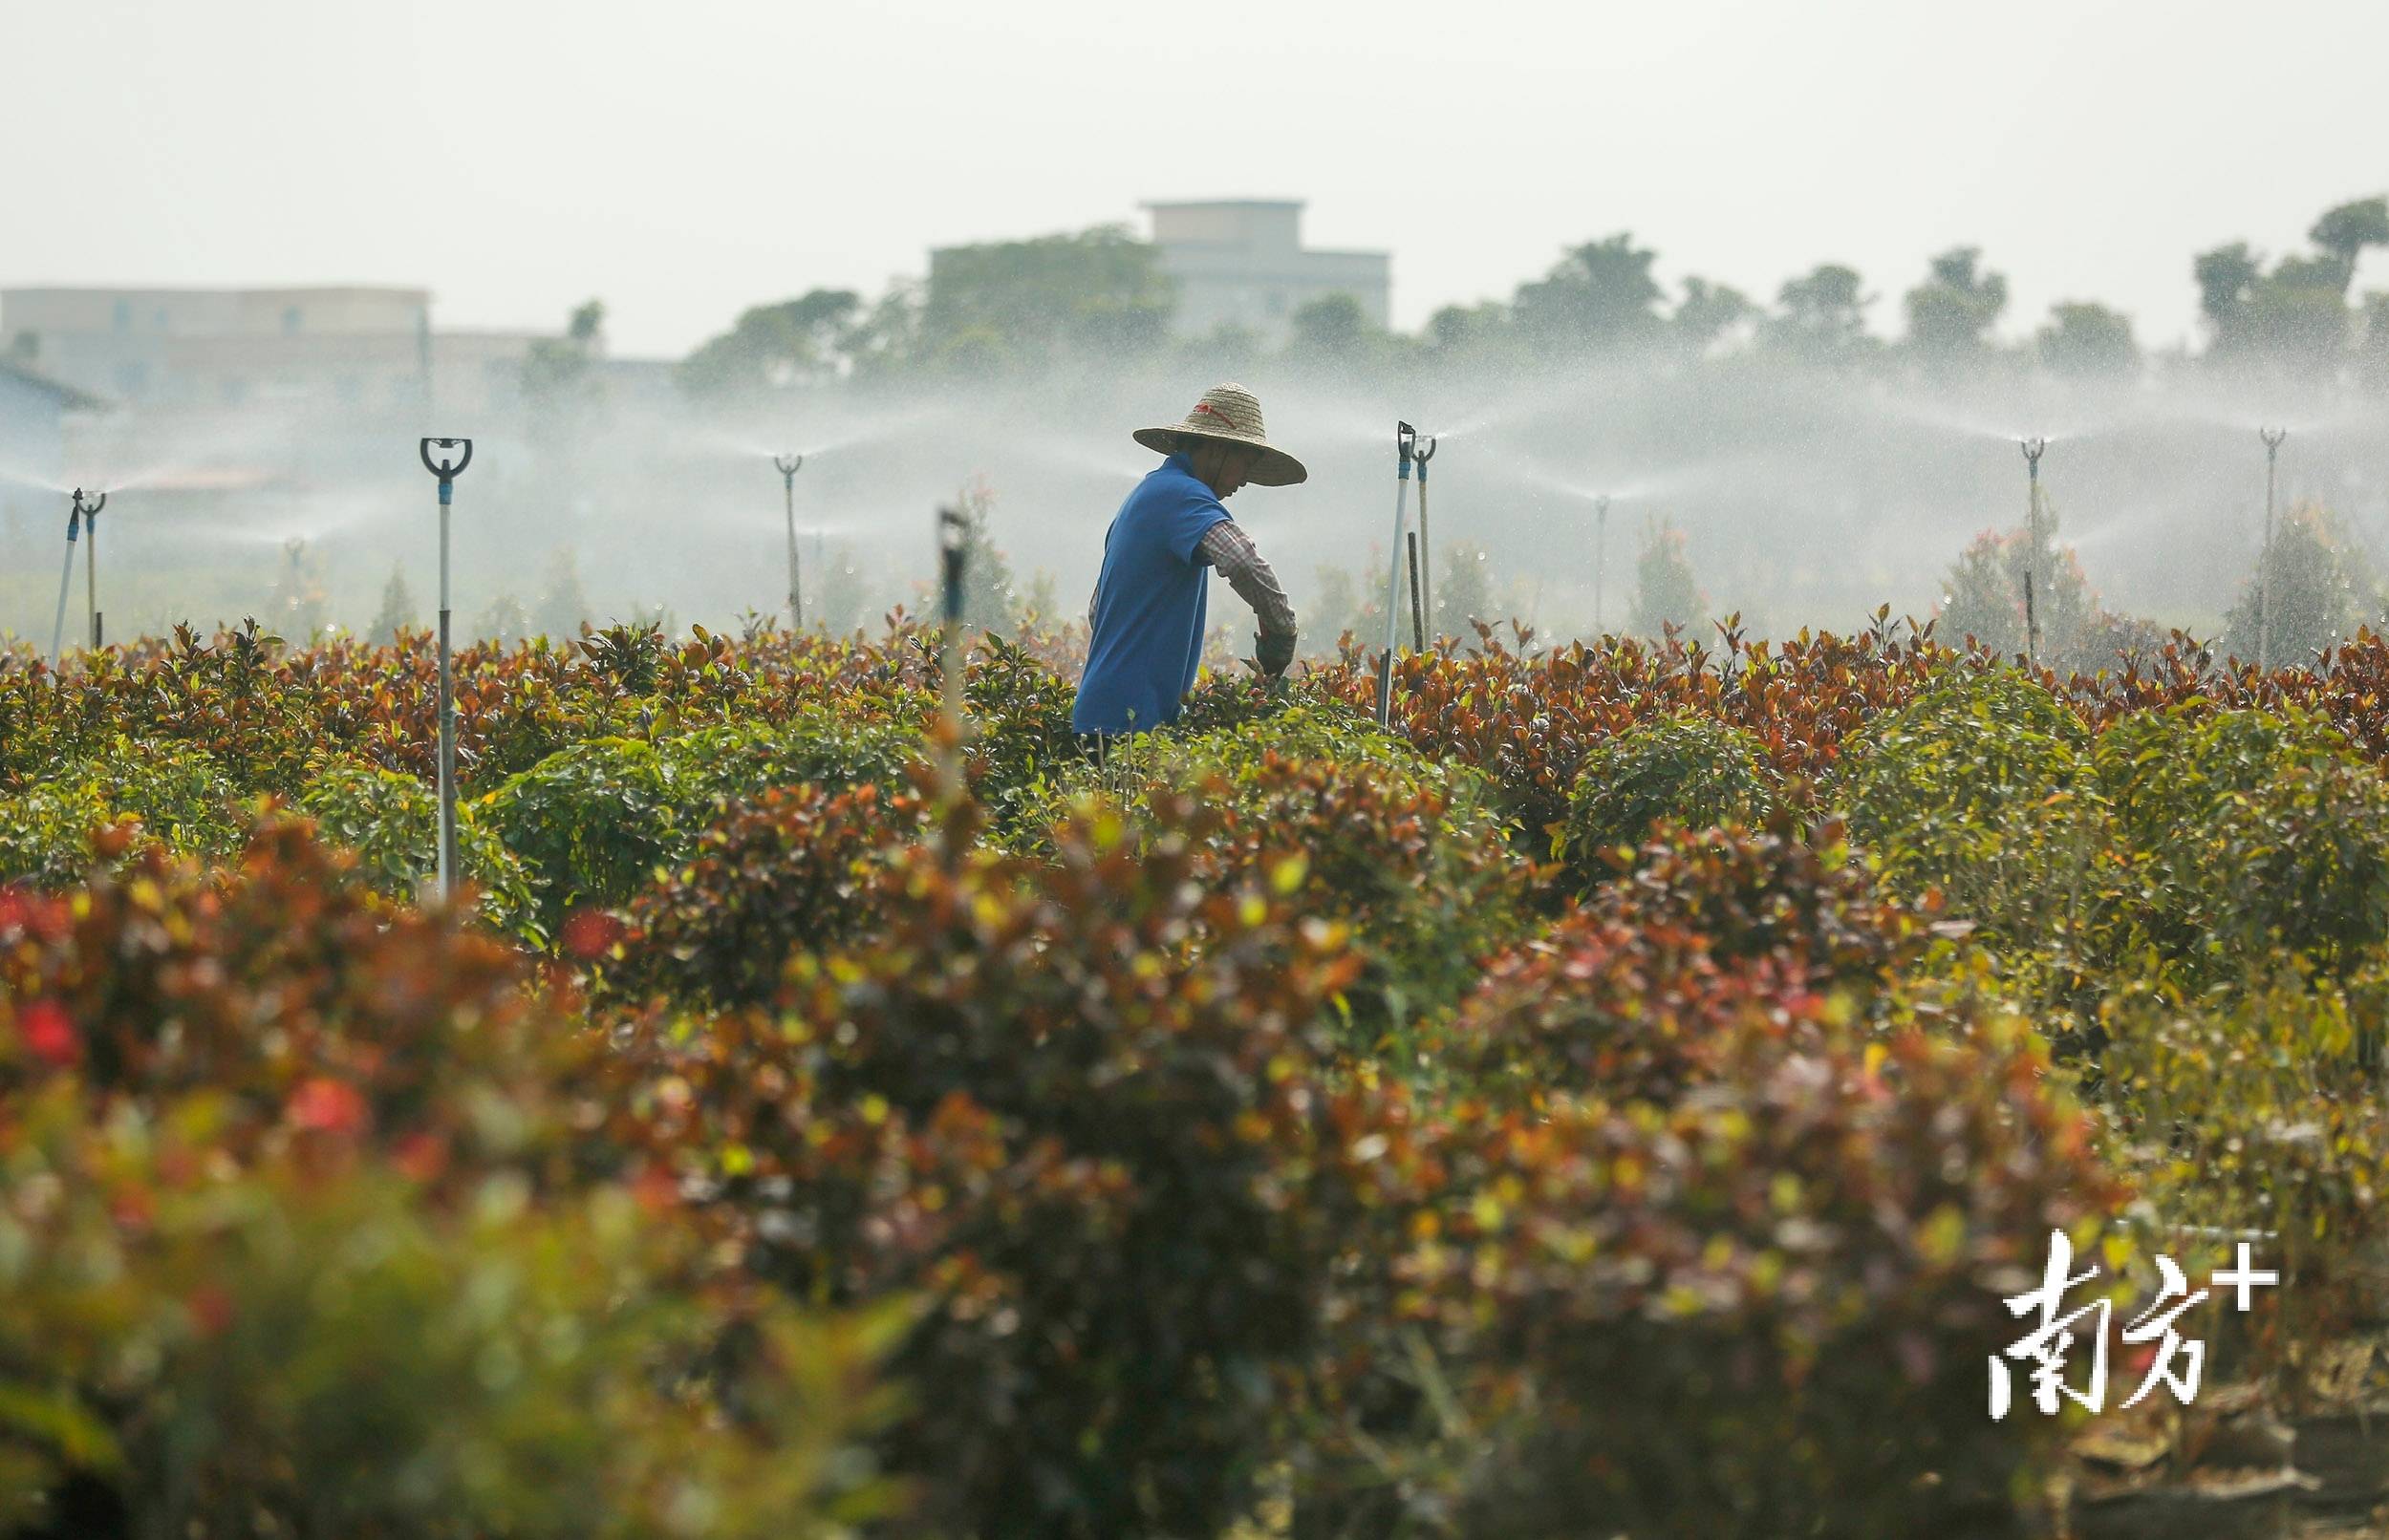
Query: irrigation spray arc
x,y
789,465
447,474
2272,438
1404,442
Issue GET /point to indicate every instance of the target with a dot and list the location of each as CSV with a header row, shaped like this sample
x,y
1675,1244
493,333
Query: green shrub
x,y
1763,1311
301,1231
598,821
1981,790
392,821
2241,835
1087,1145
1684,769
797,869
179,795
1406,852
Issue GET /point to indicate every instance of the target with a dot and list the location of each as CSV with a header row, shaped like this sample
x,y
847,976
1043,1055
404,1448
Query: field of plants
x,y
1615,1099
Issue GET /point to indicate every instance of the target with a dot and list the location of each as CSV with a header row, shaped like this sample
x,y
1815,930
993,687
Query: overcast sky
x,y
684,160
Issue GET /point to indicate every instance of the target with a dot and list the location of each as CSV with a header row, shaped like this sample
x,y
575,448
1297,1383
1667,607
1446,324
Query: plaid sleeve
x,y
1229,548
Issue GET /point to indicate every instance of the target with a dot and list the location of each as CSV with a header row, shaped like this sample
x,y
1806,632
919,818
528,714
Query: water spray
x,y
447,474
2034,449
1404,443
2273,437
75,515
1423,559
789,465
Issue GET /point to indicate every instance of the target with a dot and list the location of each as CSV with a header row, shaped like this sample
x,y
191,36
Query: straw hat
x,y
1228,413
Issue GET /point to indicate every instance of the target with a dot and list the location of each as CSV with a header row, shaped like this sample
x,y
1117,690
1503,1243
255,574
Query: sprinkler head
x,y
2034,449
446,472
1404,441
89,510
788,464
2273,437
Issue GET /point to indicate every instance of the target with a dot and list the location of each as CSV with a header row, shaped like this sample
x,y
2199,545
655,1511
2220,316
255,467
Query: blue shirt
x,y
1149,604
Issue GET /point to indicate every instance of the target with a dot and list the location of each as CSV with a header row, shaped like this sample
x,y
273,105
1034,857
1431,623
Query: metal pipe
x,y
2034,449
1424,561
91,569
66,580
952,557
447,473
2273,437
1600,558
1404,437
1418,603
789,465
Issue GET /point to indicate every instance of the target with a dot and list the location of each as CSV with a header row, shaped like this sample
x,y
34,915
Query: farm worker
x,y
1147,613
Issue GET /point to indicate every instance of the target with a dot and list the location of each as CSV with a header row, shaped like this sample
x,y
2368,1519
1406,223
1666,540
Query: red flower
x,y
326,1105
48,1034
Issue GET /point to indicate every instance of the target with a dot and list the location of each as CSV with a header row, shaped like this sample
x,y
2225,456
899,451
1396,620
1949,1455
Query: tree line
x,y
1020,307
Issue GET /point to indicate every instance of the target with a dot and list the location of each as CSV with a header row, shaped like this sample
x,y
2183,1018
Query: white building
x,y
183,350
1241,263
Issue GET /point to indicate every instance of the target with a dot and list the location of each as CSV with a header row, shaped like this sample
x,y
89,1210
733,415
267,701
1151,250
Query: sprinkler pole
x,y
66,579
447,474
2273,437
789,465
1601,558
953,556
1422,560
91,562
1418,604
1405,439
2034,449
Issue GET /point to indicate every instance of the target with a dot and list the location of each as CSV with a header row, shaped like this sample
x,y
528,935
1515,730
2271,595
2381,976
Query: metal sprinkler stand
x,y
1601,558
2273,437
66,574
1404,443
447,474
1423,559
789,465
91,559
953,556
2034,449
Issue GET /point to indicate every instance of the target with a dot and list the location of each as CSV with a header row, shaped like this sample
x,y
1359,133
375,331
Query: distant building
x,y
200,349
1241,263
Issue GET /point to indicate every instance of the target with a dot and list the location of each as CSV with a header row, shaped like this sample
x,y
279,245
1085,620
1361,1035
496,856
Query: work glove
x,y
1274,650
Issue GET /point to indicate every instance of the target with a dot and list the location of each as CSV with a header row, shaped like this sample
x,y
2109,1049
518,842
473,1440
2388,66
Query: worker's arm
x,y
1226,547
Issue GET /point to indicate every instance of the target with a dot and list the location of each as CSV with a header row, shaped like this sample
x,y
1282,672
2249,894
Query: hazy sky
x,y
684,160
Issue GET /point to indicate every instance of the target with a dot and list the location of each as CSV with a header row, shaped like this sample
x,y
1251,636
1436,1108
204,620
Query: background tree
x,y
774,347
397,607
2343,233
2085,340
1021,304
1600,298
1463,591
989,593
2322,589
503,620
1665,592
1821,317
1950,315
2227,282
1333,332
1982,596
560,372
2372,349
1709,316
563,604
